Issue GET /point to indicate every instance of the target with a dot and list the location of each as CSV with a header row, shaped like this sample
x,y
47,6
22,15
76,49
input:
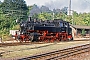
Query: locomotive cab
x,y
65,29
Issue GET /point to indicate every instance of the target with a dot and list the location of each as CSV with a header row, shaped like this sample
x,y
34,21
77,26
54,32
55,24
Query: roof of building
x,y
80,27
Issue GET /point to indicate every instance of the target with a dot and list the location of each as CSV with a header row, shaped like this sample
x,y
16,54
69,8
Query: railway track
x,y
1,53
18,43
60,54
27,43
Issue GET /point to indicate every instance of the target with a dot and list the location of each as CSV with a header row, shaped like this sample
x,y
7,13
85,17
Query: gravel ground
x,y
84,56
33,49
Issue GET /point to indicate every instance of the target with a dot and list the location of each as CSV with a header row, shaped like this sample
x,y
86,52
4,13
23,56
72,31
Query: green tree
x,y
45,16
17,8
10,10
83,32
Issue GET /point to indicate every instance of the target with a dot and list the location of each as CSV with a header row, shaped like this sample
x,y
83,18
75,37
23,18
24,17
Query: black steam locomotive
x,y
44,31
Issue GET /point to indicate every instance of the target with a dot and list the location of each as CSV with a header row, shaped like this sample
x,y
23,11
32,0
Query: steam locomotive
x,y
44,31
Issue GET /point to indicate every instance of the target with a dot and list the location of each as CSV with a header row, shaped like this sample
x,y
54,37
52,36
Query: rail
x,y
18,43
60,54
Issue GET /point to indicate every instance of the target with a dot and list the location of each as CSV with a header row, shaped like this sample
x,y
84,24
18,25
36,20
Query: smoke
x,y
57,4
76,5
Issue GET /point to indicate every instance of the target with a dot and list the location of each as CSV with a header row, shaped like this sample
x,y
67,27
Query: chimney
x,y
29,19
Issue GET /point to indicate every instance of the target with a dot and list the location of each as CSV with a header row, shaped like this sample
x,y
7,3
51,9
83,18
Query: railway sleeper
x,y
63,53
70,53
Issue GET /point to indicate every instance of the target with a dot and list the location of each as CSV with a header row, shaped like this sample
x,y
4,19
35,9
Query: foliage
x,y
16,27
83,32
10,11
45,16
15,8
81,19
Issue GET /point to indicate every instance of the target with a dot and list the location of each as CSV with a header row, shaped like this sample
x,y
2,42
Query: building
x,y
80,31
13,32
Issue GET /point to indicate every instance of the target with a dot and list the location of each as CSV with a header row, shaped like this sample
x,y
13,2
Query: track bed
x,y
20,51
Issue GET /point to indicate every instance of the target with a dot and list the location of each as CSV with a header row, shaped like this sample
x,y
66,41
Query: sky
x,y
76,5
